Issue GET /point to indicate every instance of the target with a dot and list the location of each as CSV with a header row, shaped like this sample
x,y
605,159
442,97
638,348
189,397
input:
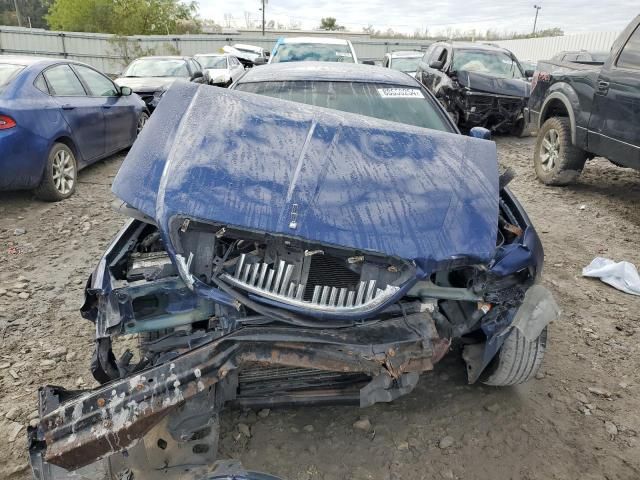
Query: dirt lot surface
x,y
579,419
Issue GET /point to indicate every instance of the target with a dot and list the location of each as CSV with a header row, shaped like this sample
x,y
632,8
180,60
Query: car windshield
x,y
8,71
496,63
405,64
157,67
317,52
408,105
212,62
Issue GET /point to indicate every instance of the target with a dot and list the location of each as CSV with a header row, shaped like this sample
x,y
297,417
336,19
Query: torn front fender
x,y
536,312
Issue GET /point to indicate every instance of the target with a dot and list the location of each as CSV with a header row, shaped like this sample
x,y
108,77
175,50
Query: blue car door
x,y
120,116
82,113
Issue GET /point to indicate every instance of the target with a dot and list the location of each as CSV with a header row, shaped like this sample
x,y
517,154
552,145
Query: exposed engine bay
x,y
498,113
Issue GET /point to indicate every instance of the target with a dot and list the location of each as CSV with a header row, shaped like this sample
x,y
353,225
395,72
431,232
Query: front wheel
x,y
60,174
518,360
556,160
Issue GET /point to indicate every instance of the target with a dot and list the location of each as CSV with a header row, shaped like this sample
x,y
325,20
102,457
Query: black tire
x,y
563,166
517,361
54,185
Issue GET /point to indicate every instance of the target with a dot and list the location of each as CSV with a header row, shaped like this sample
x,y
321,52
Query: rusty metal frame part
x,y
78,428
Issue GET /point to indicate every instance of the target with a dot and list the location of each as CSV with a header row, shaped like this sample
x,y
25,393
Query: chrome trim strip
x,y
250,277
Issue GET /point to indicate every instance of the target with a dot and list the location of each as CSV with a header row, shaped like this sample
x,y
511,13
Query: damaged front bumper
x,y
496,112
364,364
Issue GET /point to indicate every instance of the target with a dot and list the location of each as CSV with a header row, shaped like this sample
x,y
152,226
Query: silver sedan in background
x,y
219,68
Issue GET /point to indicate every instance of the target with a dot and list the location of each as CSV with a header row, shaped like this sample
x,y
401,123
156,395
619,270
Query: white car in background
x,y
317,49
250,51
219,68
404,61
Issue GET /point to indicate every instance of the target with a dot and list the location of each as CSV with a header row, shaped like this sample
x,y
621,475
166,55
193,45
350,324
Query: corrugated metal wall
x,y
535,49
101,51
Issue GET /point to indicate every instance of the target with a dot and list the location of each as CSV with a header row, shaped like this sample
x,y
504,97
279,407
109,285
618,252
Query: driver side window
x,y
439,53
195,66
630,56
427,53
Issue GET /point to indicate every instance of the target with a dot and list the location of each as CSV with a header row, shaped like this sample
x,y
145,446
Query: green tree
x,y
330,23
32,13
124,17
81,15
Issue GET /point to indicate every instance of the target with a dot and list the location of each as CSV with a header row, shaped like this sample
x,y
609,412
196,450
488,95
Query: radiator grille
x,y
259,380
273,281
327,271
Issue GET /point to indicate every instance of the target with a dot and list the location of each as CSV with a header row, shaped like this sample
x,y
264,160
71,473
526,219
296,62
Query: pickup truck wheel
x,y
556,160
518,360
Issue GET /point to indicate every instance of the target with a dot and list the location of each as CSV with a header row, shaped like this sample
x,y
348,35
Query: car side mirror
x,y
197,76
368,62
436,64
529,73
480,132
125,91
260,61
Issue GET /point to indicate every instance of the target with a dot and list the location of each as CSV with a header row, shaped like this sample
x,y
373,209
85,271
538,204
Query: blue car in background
x,y
56,117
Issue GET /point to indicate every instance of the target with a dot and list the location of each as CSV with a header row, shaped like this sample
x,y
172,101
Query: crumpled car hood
x,y
269,165
501,86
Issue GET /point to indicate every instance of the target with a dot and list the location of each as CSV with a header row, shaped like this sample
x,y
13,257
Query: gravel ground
x,y
579,419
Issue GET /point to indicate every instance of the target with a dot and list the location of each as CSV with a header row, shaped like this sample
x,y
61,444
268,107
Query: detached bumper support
x,y
79,427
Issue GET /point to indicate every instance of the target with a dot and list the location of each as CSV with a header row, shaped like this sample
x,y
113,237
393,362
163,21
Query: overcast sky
x,y
573,16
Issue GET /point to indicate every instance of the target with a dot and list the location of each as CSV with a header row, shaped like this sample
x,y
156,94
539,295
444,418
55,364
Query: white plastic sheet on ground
x,y
621,275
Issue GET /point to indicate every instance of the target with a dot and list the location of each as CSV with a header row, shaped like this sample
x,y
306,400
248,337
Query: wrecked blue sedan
x,y
279,253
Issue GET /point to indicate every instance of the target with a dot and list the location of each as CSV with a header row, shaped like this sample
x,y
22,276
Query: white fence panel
x,y
100,50
535,49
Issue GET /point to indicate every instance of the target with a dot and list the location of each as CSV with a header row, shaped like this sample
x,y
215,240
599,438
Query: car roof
x,y
27,60
319,40
327,71
22,59
35,63
406,54
213,55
